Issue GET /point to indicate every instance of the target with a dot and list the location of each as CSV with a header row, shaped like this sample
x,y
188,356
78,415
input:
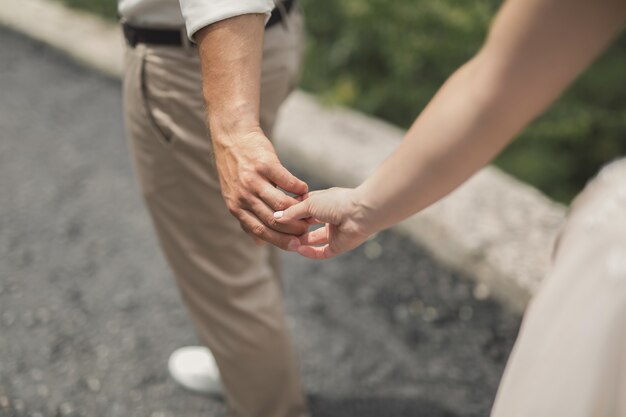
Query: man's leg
x,y
229,284
569,359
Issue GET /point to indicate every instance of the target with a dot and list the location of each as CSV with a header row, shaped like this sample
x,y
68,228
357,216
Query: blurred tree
x,y
105,8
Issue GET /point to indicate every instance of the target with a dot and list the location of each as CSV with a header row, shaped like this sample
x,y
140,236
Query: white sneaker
x,y
195,369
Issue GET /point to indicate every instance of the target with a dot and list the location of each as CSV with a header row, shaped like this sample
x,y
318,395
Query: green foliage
x,y
389,58
105,8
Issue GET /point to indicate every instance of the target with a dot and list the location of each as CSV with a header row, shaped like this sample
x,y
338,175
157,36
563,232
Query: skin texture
x,y
249,170
535,49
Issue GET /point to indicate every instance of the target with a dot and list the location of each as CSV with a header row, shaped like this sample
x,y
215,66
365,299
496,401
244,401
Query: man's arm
x,y
249,170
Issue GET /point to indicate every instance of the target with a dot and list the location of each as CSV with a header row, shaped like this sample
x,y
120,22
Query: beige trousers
x,y
230,286
570,356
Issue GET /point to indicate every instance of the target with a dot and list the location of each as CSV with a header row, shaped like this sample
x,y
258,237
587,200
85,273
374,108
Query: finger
x,y
302,197
315,237
309,220
257,229
274,198
317,252
266,215
295,212
280,176
307,195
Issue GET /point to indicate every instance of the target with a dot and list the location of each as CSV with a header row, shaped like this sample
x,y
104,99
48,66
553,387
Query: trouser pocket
x,y
151,145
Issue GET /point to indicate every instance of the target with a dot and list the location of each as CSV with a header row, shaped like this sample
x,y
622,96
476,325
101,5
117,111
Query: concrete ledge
x,y
495,229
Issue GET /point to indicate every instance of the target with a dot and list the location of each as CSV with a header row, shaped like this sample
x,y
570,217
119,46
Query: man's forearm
x,y
231,53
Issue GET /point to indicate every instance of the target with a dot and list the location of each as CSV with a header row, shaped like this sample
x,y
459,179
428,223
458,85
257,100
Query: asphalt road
x,y
89,312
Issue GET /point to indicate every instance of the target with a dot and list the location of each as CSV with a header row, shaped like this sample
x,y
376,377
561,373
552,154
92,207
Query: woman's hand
x,y
344,218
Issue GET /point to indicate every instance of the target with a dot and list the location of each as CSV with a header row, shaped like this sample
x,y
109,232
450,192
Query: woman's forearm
x,y
536,48
455,135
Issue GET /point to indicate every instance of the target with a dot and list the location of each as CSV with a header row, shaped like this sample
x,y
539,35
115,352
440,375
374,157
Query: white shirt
x,y
193,14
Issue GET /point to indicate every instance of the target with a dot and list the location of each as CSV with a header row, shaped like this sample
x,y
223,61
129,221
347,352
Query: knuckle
x,y
281,204
233,209
258,229
247,179
241,200
261,166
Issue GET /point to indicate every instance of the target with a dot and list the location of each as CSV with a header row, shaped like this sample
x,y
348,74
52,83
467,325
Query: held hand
x,y
249,172
344,217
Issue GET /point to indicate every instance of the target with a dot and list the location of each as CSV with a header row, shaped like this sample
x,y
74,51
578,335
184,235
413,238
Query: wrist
x,y
227,136
366,215
233,124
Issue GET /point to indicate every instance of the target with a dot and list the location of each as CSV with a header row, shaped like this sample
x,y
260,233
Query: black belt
x,y
135,35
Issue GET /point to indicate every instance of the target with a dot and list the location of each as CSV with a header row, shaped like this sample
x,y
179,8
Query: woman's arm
x,y
535,49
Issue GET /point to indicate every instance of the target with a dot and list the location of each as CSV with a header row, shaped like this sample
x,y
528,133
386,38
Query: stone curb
x,y
494,228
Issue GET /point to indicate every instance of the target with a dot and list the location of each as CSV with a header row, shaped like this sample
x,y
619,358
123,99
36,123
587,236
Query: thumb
x,y
298,211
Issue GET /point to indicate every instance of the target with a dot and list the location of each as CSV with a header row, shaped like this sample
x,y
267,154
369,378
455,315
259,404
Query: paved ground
x,y
89,314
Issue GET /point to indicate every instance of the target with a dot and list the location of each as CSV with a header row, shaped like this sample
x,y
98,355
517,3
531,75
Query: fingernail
x,y
278,214
293,245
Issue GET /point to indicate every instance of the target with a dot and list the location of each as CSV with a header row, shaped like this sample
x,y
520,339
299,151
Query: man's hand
x,y
249,172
